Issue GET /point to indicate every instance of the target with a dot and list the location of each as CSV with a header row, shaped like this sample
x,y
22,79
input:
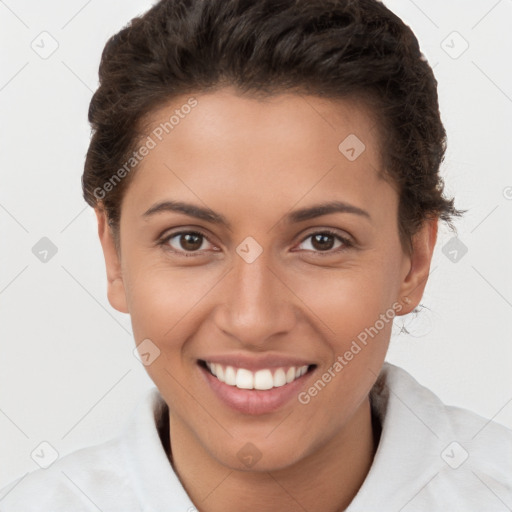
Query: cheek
x,y
164,308
346,301
163,299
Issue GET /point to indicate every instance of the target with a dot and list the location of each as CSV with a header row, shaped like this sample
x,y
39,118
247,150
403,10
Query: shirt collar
x,y
414,433
156,484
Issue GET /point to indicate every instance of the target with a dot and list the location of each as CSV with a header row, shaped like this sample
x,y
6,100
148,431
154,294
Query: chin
x,y
257,457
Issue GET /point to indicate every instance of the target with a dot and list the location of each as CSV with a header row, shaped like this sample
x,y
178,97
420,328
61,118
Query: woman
x,y
265,176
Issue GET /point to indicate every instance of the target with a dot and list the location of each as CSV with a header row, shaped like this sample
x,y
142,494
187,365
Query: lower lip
x,y
254,401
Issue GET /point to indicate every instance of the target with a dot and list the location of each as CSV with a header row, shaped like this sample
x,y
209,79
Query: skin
x,y
253,162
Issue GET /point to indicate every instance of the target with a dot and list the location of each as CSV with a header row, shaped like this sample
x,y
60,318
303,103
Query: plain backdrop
x,y
68,375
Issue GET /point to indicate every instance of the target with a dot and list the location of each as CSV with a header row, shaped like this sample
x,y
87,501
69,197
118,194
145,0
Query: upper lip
x,y
255,363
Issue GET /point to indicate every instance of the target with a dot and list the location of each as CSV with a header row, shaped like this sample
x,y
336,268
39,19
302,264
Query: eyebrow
x,y
296,216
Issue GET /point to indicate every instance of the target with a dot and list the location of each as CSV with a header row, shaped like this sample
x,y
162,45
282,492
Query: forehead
x,y
280,148
279,117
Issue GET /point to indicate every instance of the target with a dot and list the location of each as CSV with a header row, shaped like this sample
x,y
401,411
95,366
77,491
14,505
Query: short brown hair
x,y
330,48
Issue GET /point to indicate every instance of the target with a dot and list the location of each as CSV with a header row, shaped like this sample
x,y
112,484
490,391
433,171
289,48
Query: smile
x,y
263,379
255,385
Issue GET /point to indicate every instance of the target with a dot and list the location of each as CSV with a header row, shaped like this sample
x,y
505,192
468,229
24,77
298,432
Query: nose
x,y
256,305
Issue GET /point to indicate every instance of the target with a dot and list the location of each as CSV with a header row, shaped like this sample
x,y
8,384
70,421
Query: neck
x,y
326,480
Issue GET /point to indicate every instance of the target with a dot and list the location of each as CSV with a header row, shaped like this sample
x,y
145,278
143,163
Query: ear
x,y
417,272
115,286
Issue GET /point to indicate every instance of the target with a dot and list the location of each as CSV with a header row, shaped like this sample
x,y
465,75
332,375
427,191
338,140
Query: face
x,y
257,235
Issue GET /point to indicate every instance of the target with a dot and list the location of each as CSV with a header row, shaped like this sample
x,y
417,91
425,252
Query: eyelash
x,y
347,244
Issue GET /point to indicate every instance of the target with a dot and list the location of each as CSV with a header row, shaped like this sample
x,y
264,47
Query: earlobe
x,y
414,282
115,282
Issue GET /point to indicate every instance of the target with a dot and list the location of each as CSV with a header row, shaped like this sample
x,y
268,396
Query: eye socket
x,y
188,237
195,240
321,236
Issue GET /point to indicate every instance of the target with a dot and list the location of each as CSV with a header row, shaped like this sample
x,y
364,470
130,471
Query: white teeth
x,y
290,375
244,379
230,376
261,380
279,378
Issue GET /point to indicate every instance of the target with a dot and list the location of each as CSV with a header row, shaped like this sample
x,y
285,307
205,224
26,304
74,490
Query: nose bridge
x,y
253,284
256,304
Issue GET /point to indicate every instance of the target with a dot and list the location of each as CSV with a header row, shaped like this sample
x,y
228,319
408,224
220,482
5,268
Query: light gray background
x,y
68,375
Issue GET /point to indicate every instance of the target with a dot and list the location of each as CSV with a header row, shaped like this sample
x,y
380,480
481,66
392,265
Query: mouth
x,y
258,391
264,379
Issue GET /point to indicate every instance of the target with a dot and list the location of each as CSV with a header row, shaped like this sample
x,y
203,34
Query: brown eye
x,y
322,241
186,241
191,241
325,242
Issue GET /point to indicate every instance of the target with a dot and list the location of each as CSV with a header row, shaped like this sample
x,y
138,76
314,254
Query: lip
x,y
255,363
254,401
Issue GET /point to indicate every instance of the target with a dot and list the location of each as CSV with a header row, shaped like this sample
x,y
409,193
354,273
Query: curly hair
x,y
335,49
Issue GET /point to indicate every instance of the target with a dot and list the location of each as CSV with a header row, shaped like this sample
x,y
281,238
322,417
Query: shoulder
x,y
448,419
488,442
432,455
99,477
86,479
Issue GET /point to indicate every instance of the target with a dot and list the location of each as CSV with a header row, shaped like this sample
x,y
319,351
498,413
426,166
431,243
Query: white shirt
x,y
431,457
